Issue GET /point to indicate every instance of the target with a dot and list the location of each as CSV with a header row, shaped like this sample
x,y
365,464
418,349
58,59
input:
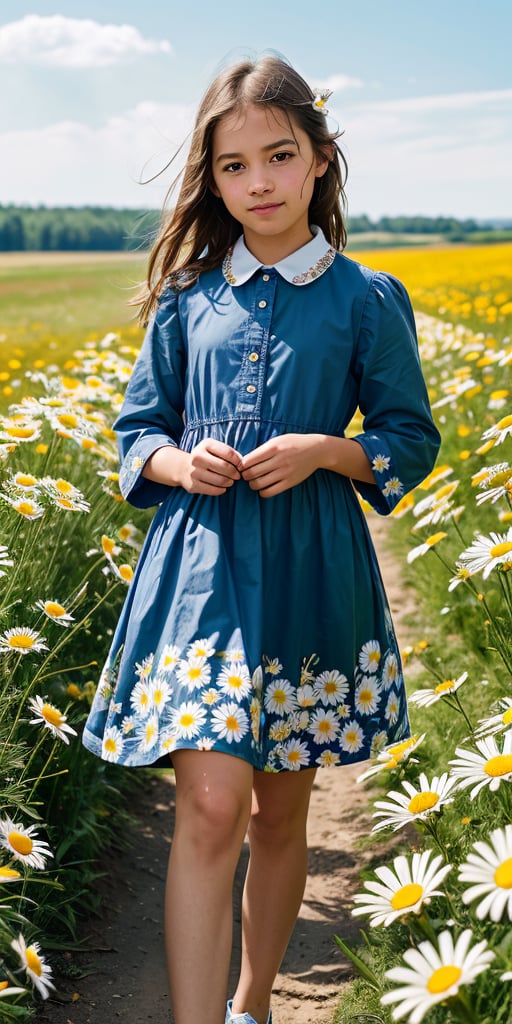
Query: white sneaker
x,y
242,1018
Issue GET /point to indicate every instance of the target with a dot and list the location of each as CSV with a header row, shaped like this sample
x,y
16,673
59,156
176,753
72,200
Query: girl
x,y
256,644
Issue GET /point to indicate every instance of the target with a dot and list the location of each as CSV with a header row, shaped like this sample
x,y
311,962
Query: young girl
x,y
256,644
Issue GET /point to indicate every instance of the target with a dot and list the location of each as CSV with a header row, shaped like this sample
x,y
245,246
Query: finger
x,y
212,463
258,455
266,480
259,466
224,452
210,477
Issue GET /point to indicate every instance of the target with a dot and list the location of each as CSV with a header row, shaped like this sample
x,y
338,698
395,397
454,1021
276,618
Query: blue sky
x,y
97,95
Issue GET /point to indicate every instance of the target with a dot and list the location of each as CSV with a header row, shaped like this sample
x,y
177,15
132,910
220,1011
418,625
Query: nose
x,y
259,184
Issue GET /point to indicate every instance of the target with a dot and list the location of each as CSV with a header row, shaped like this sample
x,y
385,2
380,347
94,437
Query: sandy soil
x,y
125,977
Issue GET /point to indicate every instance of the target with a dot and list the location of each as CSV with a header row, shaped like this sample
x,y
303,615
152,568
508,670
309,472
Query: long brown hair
x,y
197,234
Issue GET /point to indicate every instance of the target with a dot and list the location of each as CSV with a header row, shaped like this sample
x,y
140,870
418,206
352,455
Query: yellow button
x,y
251,389
262,304
253,356
266,277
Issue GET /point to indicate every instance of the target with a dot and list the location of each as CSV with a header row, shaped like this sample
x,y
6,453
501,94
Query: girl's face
x,y
264,170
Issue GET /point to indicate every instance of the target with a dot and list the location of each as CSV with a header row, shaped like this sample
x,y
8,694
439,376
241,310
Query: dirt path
x,y
127,980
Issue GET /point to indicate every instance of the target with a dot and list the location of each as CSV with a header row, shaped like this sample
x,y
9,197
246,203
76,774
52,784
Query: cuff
x,y
133,486
388,489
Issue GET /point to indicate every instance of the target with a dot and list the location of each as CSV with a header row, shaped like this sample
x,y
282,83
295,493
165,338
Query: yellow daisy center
x,y
406,896
108,545
498,550
20,431
504,423
150,731
365,696
499,765
25,480
351,736
52,715
144,699
87,442
235,682
194,673
7,874
501,478
187,720
434,539
20,843
279,696
64,486
3,984
33,962
506,717
398,749
503,874
374,656
443,979
111,745
444,687
20,641
25,507
232,723
157,696
52,608
200,652
423,802
330,686
67,419
126,571
324,726
294,756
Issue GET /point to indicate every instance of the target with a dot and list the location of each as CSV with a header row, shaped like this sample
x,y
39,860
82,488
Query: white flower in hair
x,y
320,100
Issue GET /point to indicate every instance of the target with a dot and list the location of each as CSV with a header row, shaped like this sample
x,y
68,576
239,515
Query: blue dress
x,y
259,627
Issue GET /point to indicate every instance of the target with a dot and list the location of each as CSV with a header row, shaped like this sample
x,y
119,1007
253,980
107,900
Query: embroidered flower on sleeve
x,y
393,486
380,463
136,463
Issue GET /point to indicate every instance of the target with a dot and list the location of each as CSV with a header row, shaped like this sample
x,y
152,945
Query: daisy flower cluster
x,y
63,522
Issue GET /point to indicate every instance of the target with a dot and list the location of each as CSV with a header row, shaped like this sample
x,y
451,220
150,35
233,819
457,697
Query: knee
x,y
216,819
277,826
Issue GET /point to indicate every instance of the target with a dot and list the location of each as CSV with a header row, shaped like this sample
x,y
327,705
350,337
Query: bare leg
x,y
275,882
213,801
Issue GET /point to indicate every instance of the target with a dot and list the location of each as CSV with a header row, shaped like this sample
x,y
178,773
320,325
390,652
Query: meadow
x,y
436,921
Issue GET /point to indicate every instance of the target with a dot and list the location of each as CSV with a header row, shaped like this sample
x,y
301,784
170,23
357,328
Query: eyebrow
x,y
264,149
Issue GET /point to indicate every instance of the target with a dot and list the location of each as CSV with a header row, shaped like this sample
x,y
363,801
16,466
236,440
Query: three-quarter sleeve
x,y
400,437
152,412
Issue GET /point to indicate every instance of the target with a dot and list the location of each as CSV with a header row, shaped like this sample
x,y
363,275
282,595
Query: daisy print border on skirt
x,y
207,699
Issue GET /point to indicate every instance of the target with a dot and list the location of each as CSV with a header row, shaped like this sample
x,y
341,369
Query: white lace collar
x,y
300,267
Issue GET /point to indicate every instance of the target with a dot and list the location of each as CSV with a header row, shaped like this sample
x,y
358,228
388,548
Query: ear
x,y
214,190
323,159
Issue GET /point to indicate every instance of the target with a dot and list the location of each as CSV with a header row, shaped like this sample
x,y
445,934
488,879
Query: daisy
x,y
56,612
324,725
393,486
392,756
485,553
294,755
273,666
25,506
306,696
280,697
23,844
415,804
280,730
230,721
499,431
25,481
22,640
425,697
109,546
201,649
188,720
434,975
331,687
497,723
140,698
123,572
194,673
129,534
369,656
34,964
9,875
380,463
144,668
50,716
422,549
149,733
490,868
159,693
402,889
392,709
461,576
128,724
390,671
367,696
352,737
327,759
113,742
169,657
7,990
235,680
4,559
488,767
205,743
496,485
211,696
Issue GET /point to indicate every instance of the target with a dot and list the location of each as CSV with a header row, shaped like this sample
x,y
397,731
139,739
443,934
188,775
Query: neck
x,y
270,251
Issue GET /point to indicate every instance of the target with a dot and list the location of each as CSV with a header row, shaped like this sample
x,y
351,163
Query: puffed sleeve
x,y
400,437
152,412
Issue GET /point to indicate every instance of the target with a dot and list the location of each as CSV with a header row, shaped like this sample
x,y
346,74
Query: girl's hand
x,y
211,468
282,462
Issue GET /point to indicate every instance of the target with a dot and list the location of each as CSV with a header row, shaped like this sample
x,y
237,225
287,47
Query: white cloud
x,y
57,41
448,101
336,83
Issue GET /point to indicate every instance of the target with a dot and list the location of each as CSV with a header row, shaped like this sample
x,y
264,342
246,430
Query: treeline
x,y
100,228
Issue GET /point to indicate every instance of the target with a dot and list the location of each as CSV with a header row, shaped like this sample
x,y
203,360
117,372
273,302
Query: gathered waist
x,y
244,434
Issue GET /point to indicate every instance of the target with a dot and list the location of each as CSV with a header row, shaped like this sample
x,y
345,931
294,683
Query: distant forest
x,y
106,229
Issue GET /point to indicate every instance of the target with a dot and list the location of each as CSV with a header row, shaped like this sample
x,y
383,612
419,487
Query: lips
x,y
265,207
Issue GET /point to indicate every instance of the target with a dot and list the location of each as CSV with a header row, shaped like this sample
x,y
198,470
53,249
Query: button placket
x,y
253,375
